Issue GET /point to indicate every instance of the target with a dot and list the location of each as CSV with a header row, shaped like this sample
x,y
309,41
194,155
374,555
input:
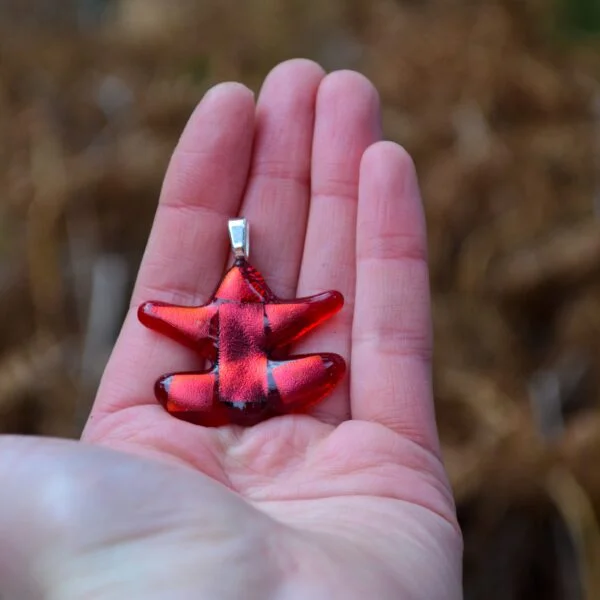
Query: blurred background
x,y
499,103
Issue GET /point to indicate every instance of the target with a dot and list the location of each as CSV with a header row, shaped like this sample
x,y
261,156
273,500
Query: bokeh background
x,y
499,103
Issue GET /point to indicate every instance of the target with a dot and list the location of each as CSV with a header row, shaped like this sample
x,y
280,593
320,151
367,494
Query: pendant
x,y
243,332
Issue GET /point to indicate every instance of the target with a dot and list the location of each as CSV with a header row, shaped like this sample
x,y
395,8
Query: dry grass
x,y
502,116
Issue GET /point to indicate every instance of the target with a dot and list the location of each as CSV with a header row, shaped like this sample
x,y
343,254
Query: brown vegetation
x,y
502,116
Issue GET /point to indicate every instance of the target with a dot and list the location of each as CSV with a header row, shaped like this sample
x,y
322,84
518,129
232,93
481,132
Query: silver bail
x,y
239,237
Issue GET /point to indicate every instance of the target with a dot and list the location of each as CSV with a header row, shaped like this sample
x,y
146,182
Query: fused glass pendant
x,y
243,332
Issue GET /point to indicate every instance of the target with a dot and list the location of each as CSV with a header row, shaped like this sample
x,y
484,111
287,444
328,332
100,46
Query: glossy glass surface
x,y
243,332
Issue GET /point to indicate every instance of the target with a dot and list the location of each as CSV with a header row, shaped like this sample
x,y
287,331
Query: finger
x,y
188,246
391,352
276,201
72,512
203,187
347,122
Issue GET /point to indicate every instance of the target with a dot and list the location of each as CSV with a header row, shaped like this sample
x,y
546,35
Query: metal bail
x,y
239,236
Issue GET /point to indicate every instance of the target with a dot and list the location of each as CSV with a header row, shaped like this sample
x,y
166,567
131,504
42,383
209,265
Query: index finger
x,y
187,248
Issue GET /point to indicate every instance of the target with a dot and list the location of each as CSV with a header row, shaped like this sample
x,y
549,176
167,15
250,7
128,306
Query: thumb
x,y
78,520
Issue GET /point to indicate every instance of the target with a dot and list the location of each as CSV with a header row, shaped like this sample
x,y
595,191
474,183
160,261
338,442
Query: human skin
x,y
350,502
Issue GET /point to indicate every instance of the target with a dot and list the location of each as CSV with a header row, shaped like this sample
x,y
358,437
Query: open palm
x,y
356,491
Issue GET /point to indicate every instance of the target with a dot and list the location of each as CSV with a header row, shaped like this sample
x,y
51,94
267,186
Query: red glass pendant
x,y
243,332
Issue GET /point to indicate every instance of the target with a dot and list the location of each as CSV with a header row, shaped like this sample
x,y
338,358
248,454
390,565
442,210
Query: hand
x,y
351,502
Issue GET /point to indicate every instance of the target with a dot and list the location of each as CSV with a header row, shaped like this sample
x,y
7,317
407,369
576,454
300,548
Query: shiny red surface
x,y
242,331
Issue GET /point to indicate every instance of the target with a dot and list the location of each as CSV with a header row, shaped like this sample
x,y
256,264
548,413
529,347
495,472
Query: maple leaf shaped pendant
x,y
242,331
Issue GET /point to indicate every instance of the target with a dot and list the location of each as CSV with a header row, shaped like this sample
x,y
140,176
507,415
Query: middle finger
x,y
277,196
